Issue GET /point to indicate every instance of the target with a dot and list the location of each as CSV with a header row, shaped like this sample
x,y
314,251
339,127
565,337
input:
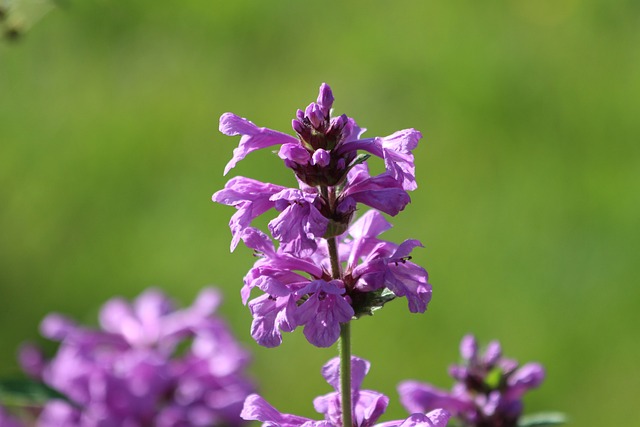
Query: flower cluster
x,y
488,390
7,420
149,364
324,269
368,405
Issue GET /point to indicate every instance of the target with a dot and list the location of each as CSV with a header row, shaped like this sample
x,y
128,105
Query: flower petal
x,y
253,137
419,397
258,409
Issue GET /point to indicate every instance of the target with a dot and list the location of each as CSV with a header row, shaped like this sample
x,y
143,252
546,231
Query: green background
x,y
528,198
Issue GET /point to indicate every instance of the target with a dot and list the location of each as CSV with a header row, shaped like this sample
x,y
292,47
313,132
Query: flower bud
x,y
321,158
468,347
315,116
325,99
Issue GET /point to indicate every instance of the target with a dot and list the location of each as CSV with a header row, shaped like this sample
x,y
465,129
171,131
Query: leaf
x,y
543,419
360,158
26,392
364,304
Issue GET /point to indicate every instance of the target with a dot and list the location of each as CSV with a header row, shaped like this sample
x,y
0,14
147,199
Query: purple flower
x,y
297,226
253,137
297,293
276,272
488,391
252,198
325,148
368,405
271,315
6,420
324,156
299,290
296,275
339,137
300,223
323,311
374,264
382,192
139,370
395,149
151,320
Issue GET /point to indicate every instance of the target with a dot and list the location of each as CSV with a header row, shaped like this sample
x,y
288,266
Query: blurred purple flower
x,y
150,364
488,390
6,420
368,405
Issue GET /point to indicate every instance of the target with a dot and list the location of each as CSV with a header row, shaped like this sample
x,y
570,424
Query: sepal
x,y
365,303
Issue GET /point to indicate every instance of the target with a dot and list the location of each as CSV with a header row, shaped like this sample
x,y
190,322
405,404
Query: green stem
x,y
345,373
333,257
344,345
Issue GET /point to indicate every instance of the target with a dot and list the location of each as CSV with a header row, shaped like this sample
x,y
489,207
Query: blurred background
x,y
528,199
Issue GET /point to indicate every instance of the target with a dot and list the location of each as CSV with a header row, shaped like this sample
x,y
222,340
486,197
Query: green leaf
x,y
360,158
26,392
364,304
542,419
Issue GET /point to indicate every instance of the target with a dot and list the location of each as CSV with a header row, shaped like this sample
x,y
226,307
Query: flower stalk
x,y
344,344
344,347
